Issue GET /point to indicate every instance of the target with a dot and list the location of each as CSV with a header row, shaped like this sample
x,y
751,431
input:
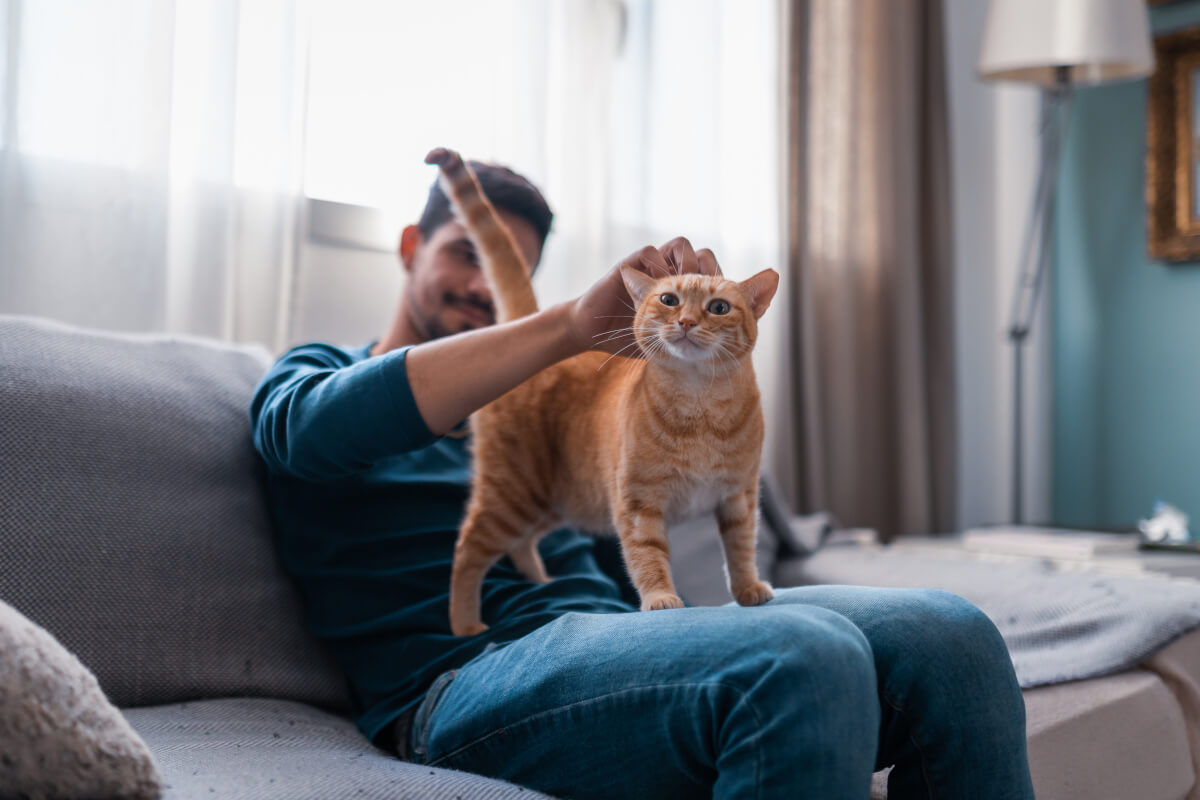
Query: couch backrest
x,y
133,524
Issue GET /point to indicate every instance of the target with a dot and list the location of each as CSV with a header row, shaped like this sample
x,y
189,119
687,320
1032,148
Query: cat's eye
x,y
718,307
668,299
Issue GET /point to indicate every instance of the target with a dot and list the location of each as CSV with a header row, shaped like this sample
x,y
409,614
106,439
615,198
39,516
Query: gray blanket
x,y
1058,626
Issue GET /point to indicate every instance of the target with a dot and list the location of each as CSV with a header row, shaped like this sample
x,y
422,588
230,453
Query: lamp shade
x,y
1097,41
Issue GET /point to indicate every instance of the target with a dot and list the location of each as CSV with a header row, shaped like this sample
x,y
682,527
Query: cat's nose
x,y
686,324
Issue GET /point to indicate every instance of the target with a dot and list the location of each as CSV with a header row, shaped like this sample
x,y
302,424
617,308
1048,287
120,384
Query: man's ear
x,y
760,289
637,283
410,239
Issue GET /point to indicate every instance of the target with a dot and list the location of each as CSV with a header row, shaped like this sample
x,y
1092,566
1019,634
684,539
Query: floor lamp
x,y
1056,45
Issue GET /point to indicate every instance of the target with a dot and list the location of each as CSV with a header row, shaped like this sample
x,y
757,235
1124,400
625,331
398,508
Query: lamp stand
x,y
1055,119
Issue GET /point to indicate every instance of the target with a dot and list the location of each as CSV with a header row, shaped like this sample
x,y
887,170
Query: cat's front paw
x,y
754,594
467,628
660,600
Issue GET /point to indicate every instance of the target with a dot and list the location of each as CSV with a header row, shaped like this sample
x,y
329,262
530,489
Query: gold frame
x,y
1173,219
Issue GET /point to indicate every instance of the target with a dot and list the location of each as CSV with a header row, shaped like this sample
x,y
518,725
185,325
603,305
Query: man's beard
x,y
430,327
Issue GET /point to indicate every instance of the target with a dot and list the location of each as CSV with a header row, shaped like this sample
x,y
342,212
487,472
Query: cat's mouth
x,y
683,346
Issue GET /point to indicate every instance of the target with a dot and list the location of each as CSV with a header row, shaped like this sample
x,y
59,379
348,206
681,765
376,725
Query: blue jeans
x,y
802,697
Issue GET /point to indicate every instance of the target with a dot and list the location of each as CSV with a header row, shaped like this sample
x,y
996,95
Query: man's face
x,y
447,292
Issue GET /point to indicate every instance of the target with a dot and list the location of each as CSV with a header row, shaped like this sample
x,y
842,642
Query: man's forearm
x,y
455,376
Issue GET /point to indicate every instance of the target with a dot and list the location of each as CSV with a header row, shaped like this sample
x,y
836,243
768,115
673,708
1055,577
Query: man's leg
x,y
953,714
766,702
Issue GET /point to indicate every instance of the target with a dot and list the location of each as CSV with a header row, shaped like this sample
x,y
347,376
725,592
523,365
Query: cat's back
x,y
576,407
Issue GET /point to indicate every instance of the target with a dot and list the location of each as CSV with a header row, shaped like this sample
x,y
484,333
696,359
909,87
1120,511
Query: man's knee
x,y
951,625
814,645
948,651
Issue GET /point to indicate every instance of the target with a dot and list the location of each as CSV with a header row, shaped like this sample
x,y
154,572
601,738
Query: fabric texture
x,y
264,749
1120,736
133,524
868,430
1058,626
59,735
1178,665
801,697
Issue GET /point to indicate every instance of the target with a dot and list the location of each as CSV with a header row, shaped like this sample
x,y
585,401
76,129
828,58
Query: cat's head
x,y
698,318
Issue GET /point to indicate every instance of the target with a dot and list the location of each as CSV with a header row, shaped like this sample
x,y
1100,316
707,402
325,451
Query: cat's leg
x,y
528,560
466,586
736,519
648,557
483,539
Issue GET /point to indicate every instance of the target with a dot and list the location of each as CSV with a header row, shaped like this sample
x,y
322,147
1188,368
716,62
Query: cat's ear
x,y
760,289
637,282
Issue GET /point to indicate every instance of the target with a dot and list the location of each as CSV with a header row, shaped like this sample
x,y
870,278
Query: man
x,y
571,690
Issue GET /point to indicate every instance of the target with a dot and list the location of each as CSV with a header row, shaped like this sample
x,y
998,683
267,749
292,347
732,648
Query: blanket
x,y
1059,626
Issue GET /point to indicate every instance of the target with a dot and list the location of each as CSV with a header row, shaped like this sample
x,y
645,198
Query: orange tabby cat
x,y
634,446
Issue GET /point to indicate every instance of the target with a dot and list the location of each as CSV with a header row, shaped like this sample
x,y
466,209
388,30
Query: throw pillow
x,y
59,735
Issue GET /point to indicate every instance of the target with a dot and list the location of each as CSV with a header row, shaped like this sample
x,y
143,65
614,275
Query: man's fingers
x,y
708,262
647,260
681,256
651,261
676,257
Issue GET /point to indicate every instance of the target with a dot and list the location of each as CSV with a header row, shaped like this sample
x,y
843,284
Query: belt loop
x,y
419,735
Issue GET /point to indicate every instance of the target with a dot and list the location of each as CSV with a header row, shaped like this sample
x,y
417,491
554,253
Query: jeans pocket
x,y
419,733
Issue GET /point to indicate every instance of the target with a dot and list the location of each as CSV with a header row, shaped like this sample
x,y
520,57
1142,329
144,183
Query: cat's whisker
x,y
614,355
616,334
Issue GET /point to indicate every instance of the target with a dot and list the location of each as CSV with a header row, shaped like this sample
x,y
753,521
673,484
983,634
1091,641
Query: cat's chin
x,y
687,350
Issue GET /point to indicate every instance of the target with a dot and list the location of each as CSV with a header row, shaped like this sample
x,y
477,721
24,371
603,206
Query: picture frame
x,y
1172,149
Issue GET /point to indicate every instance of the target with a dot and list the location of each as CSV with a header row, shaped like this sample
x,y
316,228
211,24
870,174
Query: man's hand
x,y
602,317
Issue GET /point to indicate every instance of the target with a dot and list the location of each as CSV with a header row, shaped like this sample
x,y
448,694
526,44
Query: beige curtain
x,y
869,284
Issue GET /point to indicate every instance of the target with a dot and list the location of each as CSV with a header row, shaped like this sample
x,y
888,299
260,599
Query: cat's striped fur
x,y
631,445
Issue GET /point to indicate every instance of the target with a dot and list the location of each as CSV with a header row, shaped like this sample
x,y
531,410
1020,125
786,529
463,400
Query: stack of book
x,y
1025,540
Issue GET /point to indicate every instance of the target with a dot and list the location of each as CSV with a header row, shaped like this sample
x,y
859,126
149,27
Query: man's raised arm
x,y
319,415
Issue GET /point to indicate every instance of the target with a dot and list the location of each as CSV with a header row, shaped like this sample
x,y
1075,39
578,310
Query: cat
x,y
633,445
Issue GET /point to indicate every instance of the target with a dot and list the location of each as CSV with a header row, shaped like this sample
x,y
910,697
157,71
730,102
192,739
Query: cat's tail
x,y
502,262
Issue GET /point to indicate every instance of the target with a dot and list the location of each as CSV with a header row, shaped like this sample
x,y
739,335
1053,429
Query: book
x,y
1026,540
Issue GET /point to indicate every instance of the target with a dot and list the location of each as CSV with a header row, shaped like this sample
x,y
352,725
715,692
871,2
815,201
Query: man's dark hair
x,y
507,191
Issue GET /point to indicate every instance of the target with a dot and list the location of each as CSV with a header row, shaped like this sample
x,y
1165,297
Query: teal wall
x,y
1126,337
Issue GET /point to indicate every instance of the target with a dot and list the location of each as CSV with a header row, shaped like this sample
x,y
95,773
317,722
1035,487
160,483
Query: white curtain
x,y
662,122
639,119
150,163
155,154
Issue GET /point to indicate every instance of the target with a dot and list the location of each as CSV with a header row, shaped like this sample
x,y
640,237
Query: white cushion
x,y
59,735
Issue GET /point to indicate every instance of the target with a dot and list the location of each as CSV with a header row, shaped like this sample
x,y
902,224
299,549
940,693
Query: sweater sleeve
x,y
320,413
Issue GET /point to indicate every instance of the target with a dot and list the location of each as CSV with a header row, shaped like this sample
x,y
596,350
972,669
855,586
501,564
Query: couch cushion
x,y
256,749
132,521
1122,735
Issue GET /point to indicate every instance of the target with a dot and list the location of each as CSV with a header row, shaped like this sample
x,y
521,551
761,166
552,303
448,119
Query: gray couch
x,y
133,527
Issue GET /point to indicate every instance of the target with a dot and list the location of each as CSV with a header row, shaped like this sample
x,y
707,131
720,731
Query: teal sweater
x,y
366,503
